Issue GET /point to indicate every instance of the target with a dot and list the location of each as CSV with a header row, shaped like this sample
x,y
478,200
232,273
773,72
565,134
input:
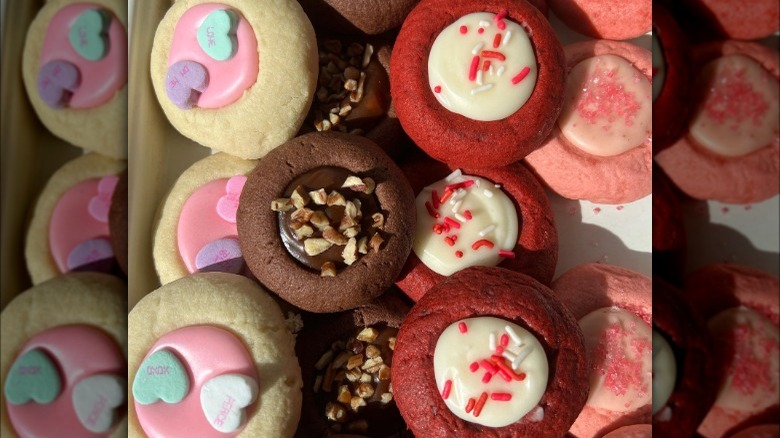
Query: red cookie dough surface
x,y
592,286
670,108
536,251
451,137
608,19
575,174
740,20
703,174
504,294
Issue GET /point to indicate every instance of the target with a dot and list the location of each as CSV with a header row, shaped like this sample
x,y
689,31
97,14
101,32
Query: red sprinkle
x,y
499,349
479,243
459,254
470,405
473,367
504,375
462,327
480,31
455,224
504,340
488,366
445,196
496,40
454,238
494,55
506,254
473,68
486,378
520,376
520,76
501,25
445,393
501,396
431,210
438,228
480,404
437,89
460,185
435,199
486,65
464,30
448,240
499,361
467,214
501,15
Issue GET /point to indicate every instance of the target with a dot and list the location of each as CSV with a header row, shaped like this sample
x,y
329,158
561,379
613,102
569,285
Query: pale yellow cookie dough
x,y
102,129
240,306
167,260
272,110
40,262
99,300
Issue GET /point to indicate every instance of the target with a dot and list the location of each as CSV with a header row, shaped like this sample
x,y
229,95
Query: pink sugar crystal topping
x,y
732,99
603,96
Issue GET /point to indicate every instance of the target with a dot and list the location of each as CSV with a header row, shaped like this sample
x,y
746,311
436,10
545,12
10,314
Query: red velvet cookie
x,y
513,227
326,221
492,353
734,19
601,146
477,85
742,308
605,18
614,308
731,152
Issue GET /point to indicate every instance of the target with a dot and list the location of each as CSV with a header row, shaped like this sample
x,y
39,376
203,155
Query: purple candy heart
x,y
89,251
57,80
184,83
224,253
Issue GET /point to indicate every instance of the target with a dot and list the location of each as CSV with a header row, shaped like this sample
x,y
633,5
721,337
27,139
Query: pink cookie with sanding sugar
x,y
601,147
734,19
635,431
585,289
731,152
609,19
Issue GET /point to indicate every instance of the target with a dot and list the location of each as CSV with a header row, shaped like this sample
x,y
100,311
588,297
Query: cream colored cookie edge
x,y
239,305
40,263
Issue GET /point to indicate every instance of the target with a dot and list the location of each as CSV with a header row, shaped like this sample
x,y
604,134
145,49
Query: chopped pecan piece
x,y
281,204
333,236
328,269
315,245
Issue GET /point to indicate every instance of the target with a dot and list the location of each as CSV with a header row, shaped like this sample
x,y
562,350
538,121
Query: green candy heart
x,y
217,34
161,377
32,377
88,34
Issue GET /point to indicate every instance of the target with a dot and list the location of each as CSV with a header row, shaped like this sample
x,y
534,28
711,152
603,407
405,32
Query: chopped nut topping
x,y
344,394
335,412
334,117
333,236
324,359
370,363
352,231
345,110
353,375
355,346
281,204
336,198
366,378
341,359
350,84
299,197
376,242
363,245
368,334
372,351
357,403
303,232
357,95
355,183
390,387
391,343
365,390
302,214
328,270
355,361
319,197
350,252
379,221
315,245
320,220
387,397
370,185
367,55
384,372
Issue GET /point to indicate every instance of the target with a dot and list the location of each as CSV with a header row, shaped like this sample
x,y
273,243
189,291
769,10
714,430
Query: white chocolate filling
x,y
664,371
659,68
619,346
455,353
483,95
493,219
739,110
607,110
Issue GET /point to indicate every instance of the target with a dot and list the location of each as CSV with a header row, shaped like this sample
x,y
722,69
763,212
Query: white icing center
x,y
455,353
620,351
493,219
664,371
607,110
659,68
739,113
751,382
456,67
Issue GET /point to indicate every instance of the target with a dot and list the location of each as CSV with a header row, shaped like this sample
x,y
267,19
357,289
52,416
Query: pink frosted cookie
x,y
733,20
210,356
614,309
742,309
731,152
248,69
63,359
197,231
601,147
69,230
605,18
75,71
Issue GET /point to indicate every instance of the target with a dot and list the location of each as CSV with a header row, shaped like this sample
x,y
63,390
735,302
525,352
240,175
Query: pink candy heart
x,y
228,204
100,204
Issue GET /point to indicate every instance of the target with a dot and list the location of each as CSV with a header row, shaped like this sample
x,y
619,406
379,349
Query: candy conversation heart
x,y
224,254
100,204
32,377
161,376
228,204
217,34
95,399
89,251
184,83
57,80
88,34
224,398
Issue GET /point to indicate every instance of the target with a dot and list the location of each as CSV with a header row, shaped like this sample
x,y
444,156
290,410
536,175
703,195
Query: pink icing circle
x,y
202,218
78,351
227,79
101,79
206,352
72,222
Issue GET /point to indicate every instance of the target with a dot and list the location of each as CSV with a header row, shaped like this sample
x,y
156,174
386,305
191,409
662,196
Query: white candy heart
x,y
224,398
95,399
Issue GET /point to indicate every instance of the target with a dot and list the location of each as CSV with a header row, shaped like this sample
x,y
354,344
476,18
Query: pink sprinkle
x,y
473,68
486,378
596,210
449,241
495,55
459,254
619,207
452,222
437,89
506,254
462,327
724,210
520,76
460,185
435,199
480,31
447,388
504,375
496,40
501,396
504,340
464,30
748,207
501,25
604,96
473,367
